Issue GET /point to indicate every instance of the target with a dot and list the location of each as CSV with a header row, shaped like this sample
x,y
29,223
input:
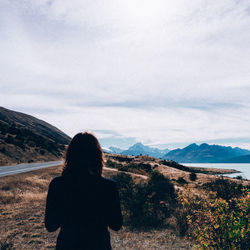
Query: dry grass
x,y
154,239
22,209
22,206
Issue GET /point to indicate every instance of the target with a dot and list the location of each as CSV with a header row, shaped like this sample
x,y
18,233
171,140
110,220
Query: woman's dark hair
x,y
83,156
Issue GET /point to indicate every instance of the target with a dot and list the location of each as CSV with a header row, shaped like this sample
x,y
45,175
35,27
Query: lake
x,y
244,168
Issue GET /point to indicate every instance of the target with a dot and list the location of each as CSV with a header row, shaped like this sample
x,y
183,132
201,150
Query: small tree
x,y
193,177
160,199
226,189
181,181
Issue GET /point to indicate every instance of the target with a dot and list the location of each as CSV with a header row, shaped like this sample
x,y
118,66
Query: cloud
x,y
155,71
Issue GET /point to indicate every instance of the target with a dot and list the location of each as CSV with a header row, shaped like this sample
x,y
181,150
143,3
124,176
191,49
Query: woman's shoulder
x,y
57,182
108,182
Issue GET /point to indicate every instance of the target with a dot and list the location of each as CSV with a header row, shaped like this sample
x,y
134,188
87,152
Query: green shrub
x,y
113,164
146,204
126,187
144,168
122,158
239,177
225,189
160,199
141,168
220,224
181,180
3,150
42,151
174,164
193,177
185,207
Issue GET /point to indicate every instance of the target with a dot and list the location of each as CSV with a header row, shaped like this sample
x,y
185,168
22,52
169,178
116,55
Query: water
x,y
244,168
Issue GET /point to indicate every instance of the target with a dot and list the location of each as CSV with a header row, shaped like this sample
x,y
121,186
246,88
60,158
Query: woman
x,y
80,201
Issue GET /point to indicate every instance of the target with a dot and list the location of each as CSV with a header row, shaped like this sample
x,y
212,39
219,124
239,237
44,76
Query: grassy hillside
x,y
24,138
210,210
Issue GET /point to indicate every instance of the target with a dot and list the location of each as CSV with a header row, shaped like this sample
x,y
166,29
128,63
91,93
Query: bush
x,y
3,150
239,177
186,206
42,151
181,180
113,164
160,199
122,158
174,164
225,189
146,204
141,168
220,224
6,245
126,187
193,177
9,139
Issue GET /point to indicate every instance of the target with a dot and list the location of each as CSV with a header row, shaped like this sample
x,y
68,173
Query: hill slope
x,y
24,138
205,153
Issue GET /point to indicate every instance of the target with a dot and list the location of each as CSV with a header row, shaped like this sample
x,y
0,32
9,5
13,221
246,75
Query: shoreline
x,y
215,171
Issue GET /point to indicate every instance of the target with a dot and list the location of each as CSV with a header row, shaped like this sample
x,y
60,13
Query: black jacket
x,y
83,208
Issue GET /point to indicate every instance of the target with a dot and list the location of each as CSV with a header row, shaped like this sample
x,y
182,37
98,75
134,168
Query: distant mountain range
x,y
206,153
239,159
139,149
193,153
24,138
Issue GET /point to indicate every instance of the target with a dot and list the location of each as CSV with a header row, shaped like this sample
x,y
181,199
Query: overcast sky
x,y
162,72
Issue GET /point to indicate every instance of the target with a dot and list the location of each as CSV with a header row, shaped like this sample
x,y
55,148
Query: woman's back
x,y
83,208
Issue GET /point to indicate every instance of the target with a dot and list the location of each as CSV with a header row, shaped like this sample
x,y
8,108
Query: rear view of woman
x,y
80,201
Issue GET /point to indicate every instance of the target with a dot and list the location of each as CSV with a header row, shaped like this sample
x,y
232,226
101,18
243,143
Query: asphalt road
x,y
26,167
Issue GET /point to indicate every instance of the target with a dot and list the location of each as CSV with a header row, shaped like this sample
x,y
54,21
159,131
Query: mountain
x,y
239,159
24,138
140,149
115,150
205,153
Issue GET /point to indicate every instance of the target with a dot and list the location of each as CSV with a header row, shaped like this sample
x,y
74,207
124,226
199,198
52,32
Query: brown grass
x,y
22,206
22,209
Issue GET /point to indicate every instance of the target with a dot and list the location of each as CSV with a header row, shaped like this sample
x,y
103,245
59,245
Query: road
x,y
26,167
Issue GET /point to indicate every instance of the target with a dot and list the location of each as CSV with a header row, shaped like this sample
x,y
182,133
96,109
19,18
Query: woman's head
x,y
84,155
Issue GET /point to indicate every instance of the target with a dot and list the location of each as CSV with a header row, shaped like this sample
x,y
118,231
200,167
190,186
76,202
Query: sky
x,y
161,72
